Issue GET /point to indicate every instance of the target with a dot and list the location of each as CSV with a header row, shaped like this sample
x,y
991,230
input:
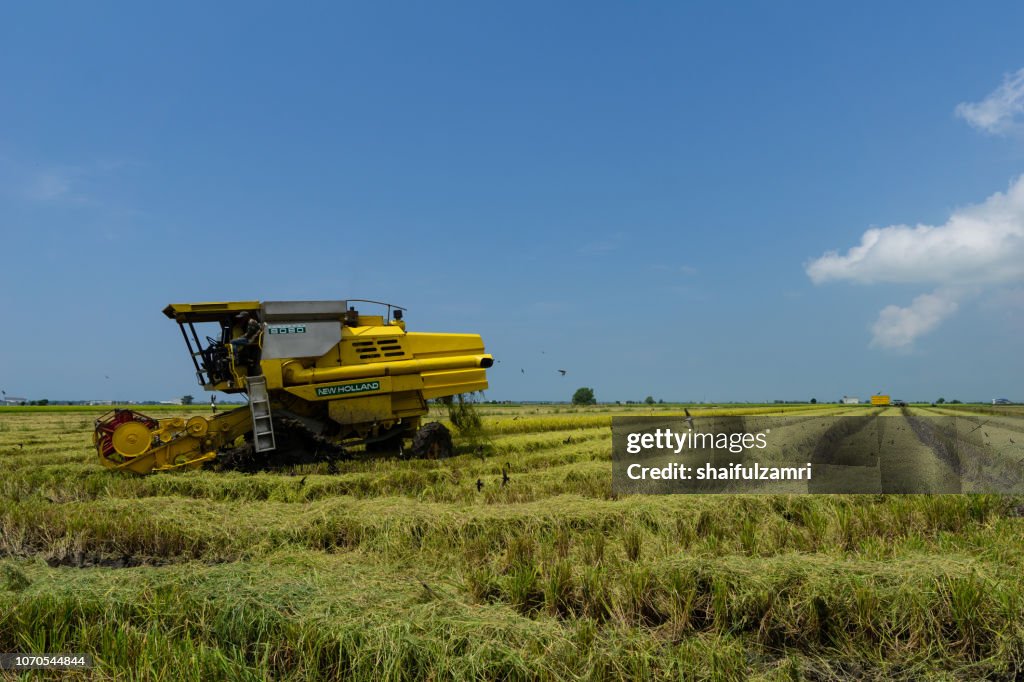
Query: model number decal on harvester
x,y
287,329
348,388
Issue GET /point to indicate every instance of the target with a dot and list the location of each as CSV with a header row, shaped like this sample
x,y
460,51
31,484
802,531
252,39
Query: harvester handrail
x,y
366,300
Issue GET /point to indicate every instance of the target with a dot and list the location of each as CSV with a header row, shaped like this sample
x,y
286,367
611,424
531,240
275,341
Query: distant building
x,y
11,400
98,402
847,400
1001,401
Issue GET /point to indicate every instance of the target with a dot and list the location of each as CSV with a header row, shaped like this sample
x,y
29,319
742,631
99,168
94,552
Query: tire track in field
x,y
876,452
965,445
916,459
847,453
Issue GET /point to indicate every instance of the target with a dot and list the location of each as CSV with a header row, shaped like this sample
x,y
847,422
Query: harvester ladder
x,y
259,406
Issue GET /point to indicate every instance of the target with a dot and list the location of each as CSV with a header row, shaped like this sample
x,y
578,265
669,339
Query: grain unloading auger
x,y
319,376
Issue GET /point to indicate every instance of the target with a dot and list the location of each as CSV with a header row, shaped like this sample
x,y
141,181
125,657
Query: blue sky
x,y
644,195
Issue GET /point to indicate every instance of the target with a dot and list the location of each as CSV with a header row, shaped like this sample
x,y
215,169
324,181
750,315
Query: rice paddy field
x,y
436,570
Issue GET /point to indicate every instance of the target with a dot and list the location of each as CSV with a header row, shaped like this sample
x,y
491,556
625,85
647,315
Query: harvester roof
x,y
207,312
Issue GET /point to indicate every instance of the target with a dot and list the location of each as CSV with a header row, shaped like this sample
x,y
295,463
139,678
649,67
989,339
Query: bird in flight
x,y
689,419
562,371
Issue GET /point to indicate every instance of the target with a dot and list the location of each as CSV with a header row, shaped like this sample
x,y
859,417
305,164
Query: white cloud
x,y
979,247
48,186
1000,111
979,244
684,269
897,327
605,244
78,184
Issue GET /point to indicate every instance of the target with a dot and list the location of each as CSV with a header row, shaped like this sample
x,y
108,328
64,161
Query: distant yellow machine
x,y
880,400
319,375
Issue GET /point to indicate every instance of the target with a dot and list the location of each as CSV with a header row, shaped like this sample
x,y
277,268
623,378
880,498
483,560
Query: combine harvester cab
x,y
318,375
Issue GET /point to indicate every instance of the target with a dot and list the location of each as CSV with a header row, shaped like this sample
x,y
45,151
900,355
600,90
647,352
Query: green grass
x,y
404,570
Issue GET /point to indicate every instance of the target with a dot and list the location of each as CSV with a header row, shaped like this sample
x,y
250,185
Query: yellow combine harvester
x,y
318,375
